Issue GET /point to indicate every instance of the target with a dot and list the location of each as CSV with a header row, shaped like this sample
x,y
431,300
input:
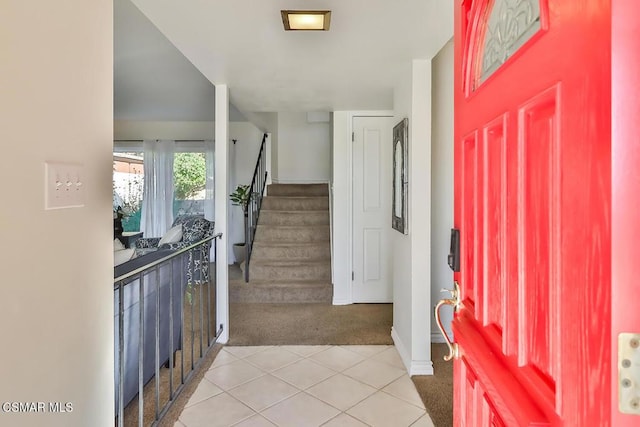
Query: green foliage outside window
x,y
189,172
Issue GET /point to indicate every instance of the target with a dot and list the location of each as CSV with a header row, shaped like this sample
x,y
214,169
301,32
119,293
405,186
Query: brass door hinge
x,y
629,373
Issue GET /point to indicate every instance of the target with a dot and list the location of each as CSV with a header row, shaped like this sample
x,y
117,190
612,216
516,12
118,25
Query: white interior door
x,y
372,157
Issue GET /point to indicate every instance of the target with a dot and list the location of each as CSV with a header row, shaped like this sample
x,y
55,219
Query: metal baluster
x,y
141,353
215,255
193,335
121,354
171,344
247,234
182,329
157,334
200,298
209,299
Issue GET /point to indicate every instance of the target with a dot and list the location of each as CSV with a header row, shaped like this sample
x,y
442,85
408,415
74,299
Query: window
x,y
189,178
128,184
510,25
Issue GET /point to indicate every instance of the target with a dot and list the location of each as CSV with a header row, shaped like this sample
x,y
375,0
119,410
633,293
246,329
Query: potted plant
x,y
118,214
240,197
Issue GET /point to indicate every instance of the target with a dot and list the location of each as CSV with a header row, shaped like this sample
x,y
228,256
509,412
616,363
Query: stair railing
x,y
254,203
155,297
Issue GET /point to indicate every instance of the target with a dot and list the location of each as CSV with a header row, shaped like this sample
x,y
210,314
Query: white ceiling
x,y
241,43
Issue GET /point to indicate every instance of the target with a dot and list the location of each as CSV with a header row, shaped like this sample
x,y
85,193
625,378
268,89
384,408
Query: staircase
x,y
291,258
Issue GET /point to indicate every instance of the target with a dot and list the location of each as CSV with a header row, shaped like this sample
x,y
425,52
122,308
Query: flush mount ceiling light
x,y
306,20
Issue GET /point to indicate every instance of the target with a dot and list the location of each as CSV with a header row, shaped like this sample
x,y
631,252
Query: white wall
x,y
221,182
341,206
303,149
410,265
244,154
401,244
134,130
57,265
411,295
271,125
129,129
442,183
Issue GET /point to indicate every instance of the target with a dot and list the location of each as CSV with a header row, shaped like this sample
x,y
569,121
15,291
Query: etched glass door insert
x,y
510,25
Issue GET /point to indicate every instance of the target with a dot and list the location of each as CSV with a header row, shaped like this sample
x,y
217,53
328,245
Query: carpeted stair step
x,y
293,190
290,270
308,217
292,291
291,257
295,203
263,251
285,233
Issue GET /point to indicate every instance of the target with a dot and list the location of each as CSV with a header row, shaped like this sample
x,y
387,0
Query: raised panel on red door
x,y
469,243
494,152
539,245
532,202
478,408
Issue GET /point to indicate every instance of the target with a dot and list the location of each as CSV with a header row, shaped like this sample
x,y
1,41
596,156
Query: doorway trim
x,y
342,190
372,236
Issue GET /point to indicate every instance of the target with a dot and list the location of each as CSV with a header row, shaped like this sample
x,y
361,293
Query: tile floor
x,y
349,385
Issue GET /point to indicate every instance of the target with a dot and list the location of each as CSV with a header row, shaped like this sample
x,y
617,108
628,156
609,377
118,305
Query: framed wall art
x,y
400,176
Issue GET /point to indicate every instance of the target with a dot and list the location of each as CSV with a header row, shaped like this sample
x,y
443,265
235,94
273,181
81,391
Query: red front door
x,y
533,206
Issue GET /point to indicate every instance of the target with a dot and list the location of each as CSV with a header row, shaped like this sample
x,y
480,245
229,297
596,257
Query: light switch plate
x,y
64,186
629,373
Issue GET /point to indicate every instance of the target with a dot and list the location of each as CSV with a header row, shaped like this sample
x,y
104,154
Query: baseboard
x,y
436,337
402,350
414,367
373,301
300,181
341,302
224,337
421,368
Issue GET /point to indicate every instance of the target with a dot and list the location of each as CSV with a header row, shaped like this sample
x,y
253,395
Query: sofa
x,y
171,283
193,227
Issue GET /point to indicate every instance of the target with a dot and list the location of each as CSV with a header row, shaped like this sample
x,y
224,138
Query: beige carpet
x,y
291,256
306,324
436,390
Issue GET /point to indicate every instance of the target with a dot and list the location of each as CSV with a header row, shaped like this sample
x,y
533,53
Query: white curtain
x,y
209,193
157,205
209,201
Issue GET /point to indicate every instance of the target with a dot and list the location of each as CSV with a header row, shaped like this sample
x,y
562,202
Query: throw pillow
x,y
117,245
196,230
172,236
123,255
